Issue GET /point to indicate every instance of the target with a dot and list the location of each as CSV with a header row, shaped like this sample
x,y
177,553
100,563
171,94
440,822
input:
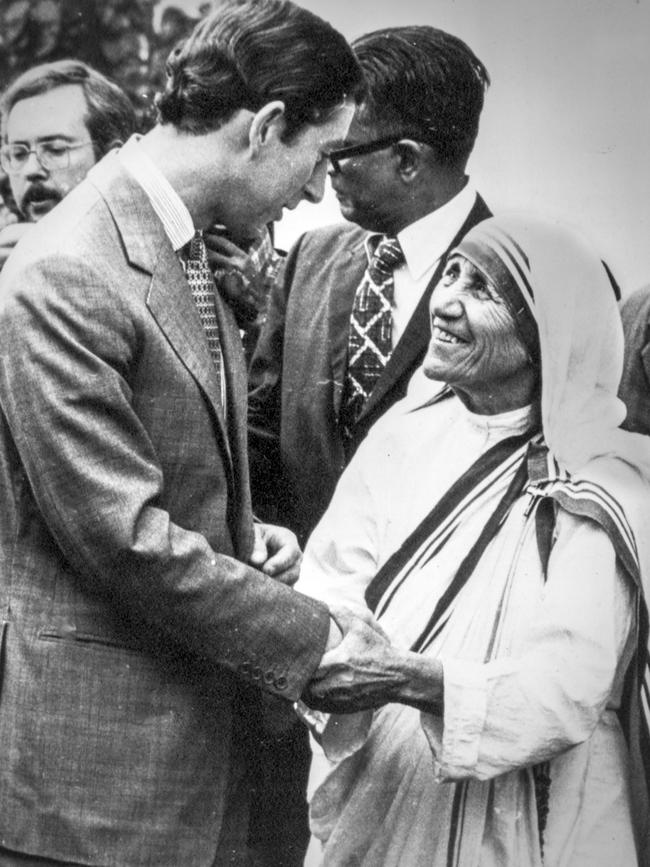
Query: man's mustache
x,y
40,193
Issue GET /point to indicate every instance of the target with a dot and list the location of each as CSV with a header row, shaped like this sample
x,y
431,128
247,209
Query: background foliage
x,y
128,40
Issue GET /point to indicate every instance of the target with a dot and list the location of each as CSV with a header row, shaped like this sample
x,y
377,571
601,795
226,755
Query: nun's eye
x,y
450,274
481,290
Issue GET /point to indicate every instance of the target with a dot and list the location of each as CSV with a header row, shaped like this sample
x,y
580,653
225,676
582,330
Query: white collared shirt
x,y
424,243
168,205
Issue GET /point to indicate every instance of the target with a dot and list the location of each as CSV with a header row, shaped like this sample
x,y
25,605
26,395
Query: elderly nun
x,y
497,535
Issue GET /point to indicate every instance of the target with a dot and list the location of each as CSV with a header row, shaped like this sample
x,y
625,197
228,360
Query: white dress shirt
x,y
168,205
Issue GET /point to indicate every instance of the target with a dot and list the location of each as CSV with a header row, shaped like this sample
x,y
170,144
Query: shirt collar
x,y
167,204
426,240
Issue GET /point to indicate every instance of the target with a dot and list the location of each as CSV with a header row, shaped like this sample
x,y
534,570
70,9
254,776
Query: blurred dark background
x,y
128,40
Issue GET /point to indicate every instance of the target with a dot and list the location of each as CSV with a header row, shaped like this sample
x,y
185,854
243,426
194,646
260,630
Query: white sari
x,y
410,789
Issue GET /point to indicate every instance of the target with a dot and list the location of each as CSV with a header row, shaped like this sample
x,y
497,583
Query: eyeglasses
x,y
336,156
50,154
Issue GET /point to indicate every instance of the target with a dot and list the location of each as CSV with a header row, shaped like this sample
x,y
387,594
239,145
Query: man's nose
x,y
314,189
33,168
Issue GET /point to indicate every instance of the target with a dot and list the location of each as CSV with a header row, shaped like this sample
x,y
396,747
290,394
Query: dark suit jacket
x,y
635,384
298,371
129,616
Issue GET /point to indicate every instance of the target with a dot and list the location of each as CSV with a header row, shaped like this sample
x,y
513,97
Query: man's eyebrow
x,y
43,139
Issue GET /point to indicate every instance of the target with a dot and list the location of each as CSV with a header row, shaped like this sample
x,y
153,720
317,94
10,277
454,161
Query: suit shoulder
x,y
63,233
635,315
341,235
322,252
61,258
636,304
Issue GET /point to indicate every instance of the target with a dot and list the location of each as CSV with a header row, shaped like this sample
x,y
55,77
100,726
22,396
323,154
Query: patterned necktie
x,y
370,345
201,282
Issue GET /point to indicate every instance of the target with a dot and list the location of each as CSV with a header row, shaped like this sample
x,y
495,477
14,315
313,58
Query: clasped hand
x,y
363,671
276,553
244,273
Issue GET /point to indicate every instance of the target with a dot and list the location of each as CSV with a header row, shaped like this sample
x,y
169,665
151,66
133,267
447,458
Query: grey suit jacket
x,y
298,371
635,383
129,616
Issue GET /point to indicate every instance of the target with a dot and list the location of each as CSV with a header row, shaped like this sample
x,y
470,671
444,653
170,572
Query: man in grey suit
x,y
132,621
402,175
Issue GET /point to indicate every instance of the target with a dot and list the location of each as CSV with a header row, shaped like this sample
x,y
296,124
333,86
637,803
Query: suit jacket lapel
x,y
347,275
415,338
171,304
169,298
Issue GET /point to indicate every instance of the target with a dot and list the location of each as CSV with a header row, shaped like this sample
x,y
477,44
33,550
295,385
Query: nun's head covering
x,y
498,256
565,310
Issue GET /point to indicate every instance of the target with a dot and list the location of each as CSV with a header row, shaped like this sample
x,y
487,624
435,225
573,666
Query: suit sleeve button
x,y
256,673
245,669
269,676
281,682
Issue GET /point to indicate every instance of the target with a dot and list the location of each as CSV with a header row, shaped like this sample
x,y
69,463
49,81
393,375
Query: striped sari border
x,y
495,462
588,499
433,544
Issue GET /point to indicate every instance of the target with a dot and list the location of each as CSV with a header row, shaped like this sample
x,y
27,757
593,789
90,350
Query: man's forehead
x,y
334,132
57,113
360,132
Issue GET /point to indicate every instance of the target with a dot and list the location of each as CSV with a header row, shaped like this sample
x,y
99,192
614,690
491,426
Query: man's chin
x,y
363,218
347,211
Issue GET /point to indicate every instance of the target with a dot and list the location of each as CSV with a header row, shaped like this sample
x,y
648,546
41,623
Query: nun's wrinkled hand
x,y
361,672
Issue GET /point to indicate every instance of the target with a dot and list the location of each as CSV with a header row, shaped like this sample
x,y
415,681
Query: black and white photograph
x,y
324,433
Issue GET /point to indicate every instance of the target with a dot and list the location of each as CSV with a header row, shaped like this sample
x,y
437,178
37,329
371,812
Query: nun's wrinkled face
x,y
475,346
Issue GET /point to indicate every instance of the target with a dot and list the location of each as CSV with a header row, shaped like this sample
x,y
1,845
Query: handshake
x,y
360,667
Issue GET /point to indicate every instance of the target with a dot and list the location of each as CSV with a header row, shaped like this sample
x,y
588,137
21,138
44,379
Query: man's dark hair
x,y
110,116
250,52
424,84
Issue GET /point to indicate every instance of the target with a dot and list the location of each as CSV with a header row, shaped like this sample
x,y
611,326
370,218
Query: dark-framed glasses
x,y
337,156
50,154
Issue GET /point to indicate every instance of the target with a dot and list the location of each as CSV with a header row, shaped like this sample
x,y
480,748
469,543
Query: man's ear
x,y
267,123
411,156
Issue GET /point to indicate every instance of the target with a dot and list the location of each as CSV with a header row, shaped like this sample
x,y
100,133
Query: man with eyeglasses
x,y
319,378
57,119
401,173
